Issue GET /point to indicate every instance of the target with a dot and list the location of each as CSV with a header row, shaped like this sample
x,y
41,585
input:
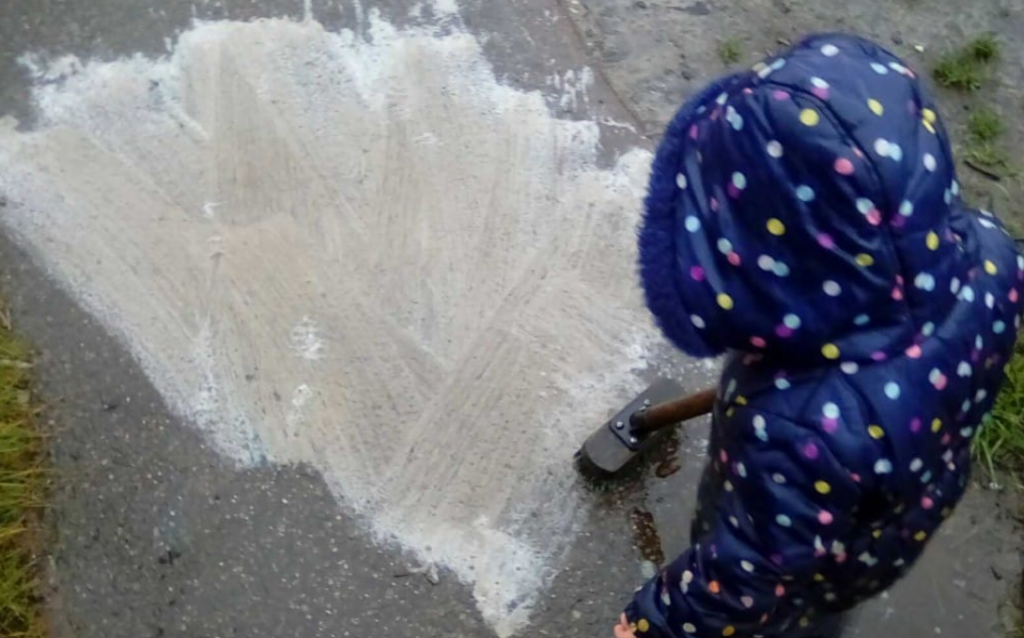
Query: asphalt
x,y
154,535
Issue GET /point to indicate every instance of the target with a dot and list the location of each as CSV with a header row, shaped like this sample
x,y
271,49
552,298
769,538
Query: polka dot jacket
x,y
806,217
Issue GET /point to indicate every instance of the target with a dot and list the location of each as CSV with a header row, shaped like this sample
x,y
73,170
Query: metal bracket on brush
x,y
632,432
645,419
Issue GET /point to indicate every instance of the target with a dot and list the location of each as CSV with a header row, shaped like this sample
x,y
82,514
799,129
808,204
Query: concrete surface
x,y
156,535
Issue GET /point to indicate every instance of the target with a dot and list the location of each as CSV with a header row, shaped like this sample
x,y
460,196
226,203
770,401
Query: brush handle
x,y
670,413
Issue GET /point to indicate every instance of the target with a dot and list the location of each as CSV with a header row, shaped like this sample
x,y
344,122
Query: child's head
x,y
787,200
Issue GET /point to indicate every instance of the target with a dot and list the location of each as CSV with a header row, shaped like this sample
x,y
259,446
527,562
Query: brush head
x,y
614,445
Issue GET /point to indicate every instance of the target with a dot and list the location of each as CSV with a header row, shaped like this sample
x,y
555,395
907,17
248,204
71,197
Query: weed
x,y
957,71
992,158
1000,443
966,69
985,125
730,51
983,151
984,48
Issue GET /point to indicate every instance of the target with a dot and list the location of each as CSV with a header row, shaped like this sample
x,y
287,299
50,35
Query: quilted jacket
x,y
805,217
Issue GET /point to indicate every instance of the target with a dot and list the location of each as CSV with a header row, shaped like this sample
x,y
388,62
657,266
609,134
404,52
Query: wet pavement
x,y
155,535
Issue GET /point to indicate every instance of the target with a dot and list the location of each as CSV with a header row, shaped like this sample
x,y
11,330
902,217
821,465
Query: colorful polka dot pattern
x,y
827,241
800,192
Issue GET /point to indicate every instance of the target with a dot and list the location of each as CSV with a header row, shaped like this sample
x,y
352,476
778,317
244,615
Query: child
x,y
806,216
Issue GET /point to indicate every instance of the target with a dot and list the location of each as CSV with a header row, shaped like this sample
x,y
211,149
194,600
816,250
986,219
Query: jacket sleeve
x,y
783,501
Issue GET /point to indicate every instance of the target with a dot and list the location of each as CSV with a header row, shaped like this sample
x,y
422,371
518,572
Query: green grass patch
x,y
956,71
966,68
21,490
730,51
984,48
991,157
1000,443
985,125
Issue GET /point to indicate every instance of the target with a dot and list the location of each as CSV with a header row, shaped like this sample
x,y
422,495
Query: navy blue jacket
x,y
806,216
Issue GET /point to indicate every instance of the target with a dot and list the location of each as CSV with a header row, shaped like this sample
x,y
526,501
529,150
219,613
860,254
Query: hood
x,y
802,208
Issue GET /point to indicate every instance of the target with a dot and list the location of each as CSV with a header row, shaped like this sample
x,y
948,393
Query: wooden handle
x,y
672,412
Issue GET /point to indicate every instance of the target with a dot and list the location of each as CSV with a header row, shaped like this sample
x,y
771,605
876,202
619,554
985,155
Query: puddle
x,y
667,458
645,535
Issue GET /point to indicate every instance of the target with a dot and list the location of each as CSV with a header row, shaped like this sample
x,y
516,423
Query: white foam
x,y
306,340
468,265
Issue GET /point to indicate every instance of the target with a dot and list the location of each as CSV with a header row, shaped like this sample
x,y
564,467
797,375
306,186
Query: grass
x,y
1000,443
985,125
730,51
991,157
984,129
966,69
984,48
21,484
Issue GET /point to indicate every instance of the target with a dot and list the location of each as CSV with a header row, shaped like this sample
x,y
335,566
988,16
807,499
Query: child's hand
x,y
622,630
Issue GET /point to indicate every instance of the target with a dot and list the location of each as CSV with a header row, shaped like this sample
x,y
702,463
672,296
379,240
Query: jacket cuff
x,y
644,614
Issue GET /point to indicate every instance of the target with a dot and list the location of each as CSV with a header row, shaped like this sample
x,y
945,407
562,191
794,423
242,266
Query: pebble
x,y
648,569
432,576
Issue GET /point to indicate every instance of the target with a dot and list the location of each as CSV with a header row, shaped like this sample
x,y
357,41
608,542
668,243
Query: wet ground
x,y
155,535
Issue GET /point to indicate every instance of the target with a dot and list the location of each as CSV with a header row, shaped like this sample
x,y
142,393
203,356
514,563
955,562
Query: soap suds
x,y
574,87
363,254
42,70
295,418
306,341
